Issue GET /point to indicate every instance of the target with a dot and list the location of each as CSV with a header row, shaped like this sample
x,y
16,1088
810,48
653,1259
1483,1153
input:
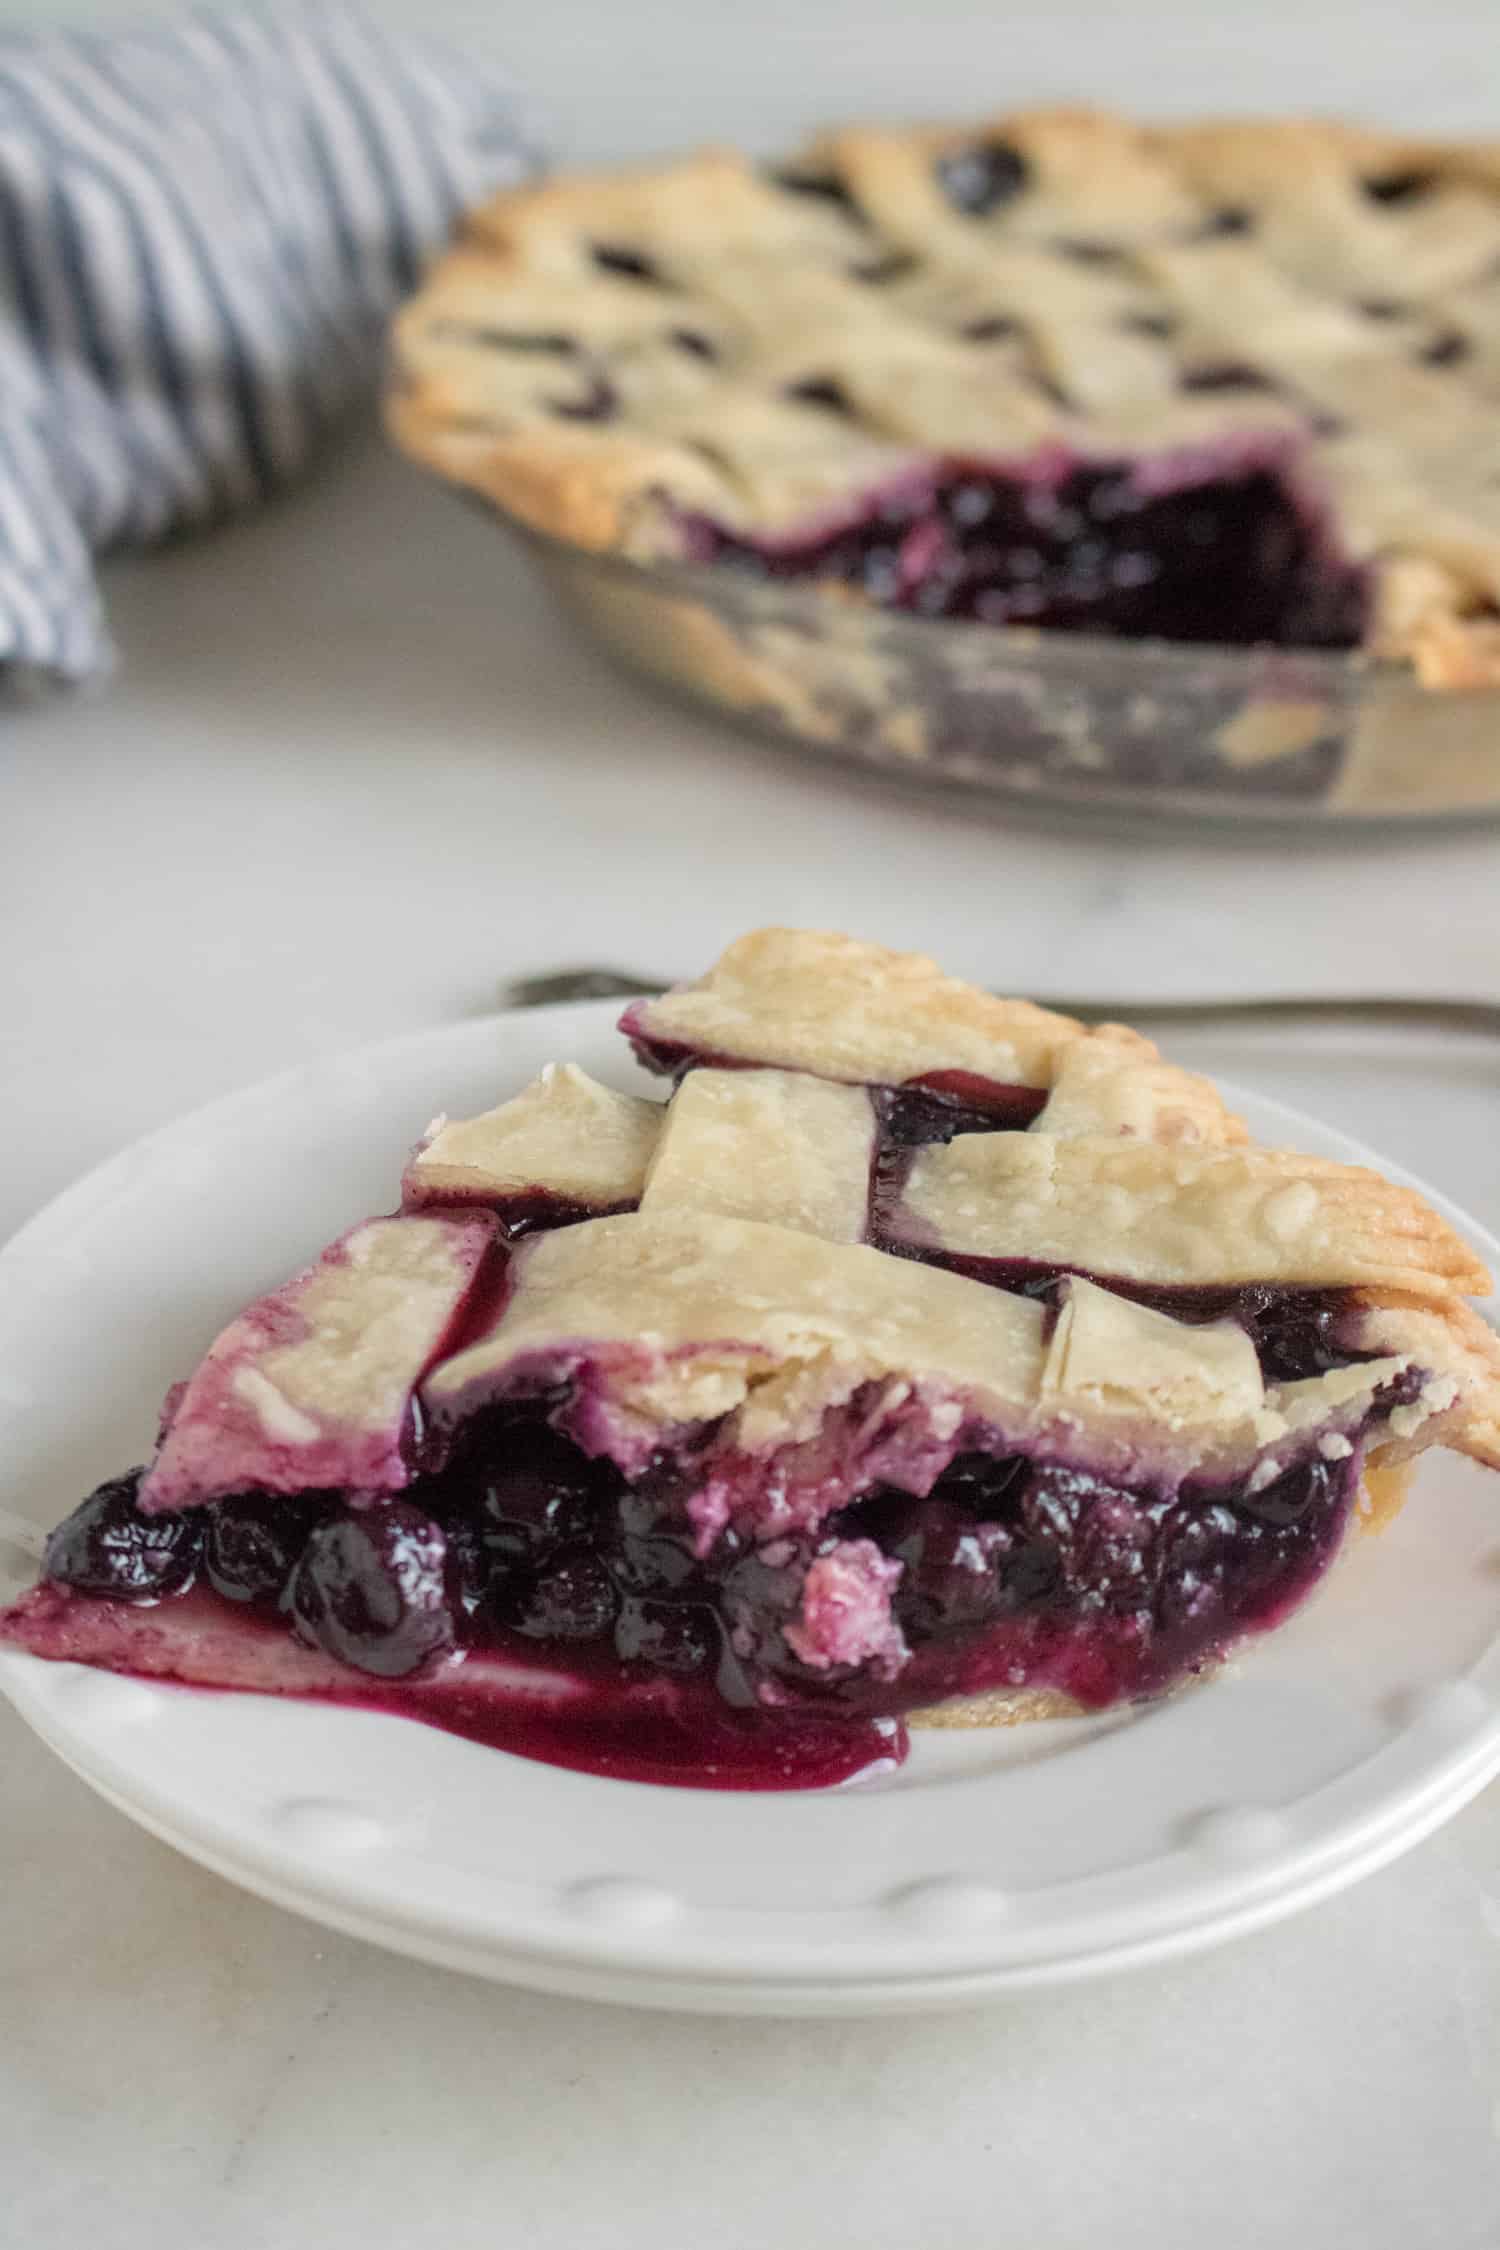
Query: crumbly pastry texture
x,y
612,356
779,1254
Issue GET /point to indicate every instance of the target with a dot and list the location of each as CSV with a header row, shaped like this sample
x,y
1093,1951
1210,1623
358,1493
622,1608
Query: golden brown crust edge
x,y
1453,1339
600,498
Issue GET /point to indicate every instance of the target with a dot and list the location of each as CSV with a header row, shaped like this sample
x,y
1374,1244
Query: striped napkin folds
x,y
204,224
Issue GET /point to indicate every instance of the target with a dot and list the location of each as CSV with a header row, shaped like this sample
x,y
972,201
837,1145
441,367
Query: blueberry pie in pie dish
x,y
1221,383
923,1357
1229,388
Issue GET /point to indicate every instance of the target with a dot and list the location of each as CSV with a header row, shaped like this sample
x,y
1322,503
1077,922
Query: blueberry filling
x,y
935,1108
251,1543
929,1108
821,390
533,1210
572,1597
1229,220
107,1547
1446,349
826,187
370,1588
538,1505
1008,1573
1238,558
679,1637
630,265
982,178
1226,375
599,403
1393,189
1113,1579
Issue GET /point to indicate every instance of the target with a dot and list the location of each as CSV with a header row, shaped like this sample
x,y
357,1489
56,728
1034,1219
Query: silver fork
x,y
1481,1017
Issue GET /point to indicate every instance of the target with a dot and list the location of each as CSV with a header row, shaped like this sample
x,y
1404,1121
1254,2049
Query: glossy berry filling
x,y
107,1547
1239,557
522,1559
922,1110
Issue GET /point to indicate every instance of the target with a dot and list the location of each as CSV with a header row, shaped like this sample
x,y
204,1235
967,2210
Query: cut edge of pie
x,y
713,360
925,1355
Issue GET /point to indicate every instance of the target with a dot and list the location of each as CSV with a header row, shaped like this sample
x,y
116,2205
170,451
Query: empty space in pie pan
x,y
992,1859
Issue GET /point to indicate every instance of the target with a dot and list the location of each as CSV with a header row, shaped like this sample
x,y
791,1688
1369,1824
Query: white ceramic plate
x,y
989,1861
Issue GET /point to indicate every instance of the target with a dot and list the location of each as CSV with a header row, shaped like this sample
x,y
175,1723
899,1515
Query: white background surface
x,y
351,774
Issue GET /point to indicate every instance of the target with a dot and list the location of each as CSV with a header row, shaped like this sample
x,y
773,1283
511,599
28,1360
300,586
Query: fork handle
x,y
1481,1016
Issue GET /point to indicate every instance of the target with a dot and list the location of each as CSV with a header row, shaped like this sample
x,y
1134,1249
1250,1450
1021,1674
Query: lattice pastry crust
x,y
612,355
771,1245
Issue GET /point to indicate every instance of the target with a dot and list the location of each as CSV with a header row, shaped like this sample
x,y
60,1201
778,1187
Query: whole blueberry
x,y
1116,1545
572,1599
369,1589
251,1543
1195,1554
672,1636
949,1582
472,1570
655,1546
760,1596
984,1485
982,177
1280,1505
532,1495
108,1548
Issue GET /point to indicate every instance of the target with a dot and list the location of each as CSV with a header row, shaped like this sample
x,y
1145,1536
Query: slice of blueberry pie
x,y
1222,383
923,1354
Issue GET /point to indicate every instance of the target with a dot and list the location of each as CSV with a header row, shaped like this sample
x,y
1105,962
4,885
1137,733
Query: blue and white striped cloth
x,y
204,225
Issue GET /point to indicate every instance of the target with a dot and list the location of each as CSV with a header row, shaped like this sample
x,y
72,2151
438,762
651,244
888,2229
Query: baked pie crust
x,y
925,1353
622,359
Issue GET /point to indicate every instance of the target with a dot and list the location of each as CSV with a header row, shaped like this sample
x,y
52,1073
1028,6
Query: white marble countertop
x,y
352,773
